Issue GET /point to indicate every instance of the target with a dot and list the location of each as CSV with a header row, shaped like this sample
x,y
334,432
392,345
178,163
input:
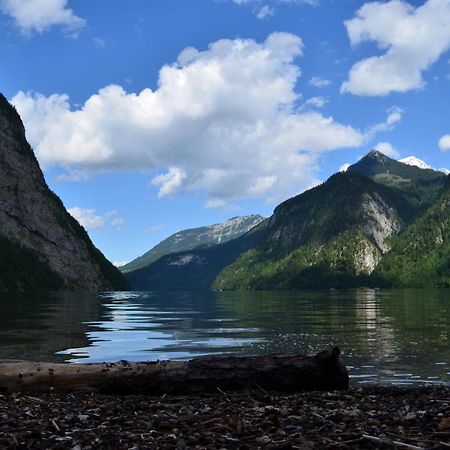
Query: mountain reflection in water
x,y
398,336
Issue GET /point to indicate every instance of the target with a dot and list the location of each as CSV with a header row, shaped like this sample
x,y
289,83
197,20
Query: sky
x,y
152,116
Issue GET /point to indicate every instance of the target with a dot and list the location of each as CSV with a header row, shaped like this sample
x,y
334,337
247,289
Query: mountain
x,y
420,257
193,269
336,234
333,235
420,186
414,161
196,237
42,247
343,233
388,171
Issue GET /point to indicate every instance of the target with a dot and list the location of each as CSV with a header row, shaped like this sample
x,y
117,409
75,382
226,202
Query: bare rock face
x,y
382,220
41,236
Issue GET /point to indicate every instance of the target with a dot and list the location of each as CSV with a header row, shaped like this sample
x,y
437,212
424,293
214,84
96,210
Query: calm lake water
x,y
398,336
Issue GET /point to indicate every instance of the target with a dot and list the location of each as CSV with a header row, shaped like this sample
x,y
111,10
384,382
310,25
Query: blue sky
x,y
149,117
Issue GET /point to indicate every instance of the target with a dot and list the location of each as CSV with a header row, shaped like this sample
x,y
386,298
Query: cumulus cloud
x,y
39,15
281,2
90,220
444,143
411,38
87,218
266,8
394,115
265,11
319,82
387,149
315,102
224,120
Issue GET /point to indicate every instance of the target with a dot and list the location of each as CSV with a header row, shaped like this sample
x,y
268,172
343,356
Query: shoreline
x,y
361,417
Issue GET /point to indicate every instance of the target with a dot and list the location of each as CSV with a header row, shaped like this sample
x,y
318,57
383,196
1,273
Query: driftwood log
x,y
281,372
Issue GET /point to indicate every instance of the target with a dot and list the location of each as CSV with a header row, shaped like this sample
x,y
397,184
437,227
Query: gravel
x,y
365,418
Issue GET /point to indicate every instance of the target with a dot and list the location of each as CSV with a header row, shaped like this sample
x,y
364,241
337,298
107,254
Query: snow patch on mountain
x,y
414,161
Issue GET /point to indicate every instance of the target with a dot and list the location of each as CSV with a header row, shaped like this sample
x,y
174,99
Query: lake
x,y
387,336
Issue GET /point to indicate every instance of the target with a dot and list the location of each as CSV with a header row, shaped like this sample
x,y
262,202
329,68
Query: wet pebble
x,y
359,418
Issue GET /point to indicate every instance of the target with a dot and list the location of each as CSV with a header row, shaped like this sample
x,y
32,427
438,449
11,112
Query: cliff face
x,y
43,246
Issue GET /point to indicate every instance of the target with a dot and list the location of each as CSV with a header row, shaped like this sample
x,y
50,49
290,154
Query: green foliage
x,y
420,257
21,270
334,207
312,266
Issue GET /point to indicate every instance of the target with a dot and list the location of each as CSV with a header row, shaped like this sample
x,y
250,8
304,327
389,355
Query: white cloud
x,y
118,223
444,143
99,43
395,115
223,120
220,204
90,220
412,40
387,149
72,175
281,2
319,82
169,182
265,11
87,218
155,228
316,102
39,15
344,167
268,8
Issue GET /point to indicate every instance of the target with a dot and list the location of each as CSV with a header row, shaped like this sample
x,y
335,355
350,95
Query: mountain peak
x,y
414,161
390,172
376,155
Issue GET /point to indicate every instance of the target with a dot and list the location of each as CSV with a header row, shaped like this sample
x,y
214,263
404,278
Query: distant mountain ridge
x,y
196,237
337,234
42,247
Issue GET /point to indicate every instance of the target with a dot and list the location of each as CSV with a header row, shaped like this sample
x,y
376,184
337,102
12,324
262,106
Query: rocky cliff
x,y
41,245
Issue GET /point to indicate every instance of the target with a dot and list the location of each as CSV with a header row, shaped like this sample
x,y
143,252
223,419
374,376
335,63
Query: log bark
x,y
281,372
